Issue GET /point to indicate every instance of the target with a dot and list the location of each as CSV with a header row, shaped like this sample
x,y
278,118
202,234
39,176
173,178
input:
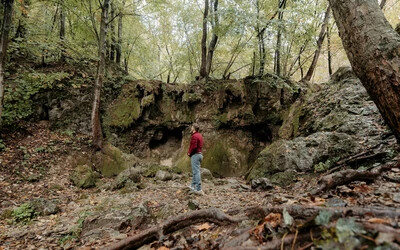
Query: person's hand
x,y
188,154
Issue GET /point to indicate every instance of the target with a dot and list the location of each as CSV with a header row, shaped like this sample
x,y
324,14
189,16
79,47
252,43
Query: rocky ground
x,y
36,164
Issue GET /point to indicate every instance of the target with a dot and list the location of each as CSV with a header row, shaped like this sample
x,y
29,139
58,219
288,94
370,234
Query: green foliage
x,y
20,94
324,166
323,218
346,228
2,145
24,213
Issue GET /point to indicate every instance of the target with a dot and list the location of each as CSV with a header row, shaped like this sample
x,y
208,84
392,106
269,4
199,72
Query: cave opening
x,y
163,136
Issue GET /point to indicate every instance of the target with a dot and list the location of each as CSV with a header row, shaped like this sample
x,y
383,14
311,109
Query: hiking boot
x,y
190,187
195,192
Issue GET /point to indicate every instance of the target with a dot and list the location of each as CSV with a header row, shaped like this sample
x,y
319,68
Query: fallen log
x,y
171,225
346,176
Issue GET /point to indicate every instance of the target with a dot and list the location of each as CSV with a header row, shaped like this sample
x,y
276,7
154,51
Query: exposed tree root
x,y
174,224
346,176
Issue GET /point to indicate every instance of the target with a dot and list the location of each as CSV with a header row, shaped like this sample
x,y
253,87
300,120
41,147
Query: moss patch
x,y
183,164
191,97
83,177
284,178
113,161
290,126
152,170
217,159
147,100
123,113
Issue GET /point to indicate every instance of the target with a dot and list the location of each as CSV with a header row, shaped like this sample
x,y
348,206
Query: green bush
x,y
24,213
2,145
19,98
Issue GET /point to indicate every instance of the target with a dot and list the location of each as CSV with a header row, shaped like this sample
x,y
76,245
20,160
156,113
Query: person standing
x,y
196,157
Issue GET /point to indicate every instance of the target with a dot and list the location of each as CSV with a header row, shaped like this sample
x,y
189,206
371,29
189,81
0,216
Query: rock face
x,y
333,123
151,120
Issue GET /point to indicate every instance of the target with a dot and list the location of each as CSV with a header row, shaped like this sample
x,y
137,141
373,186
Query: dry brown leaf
x,y
163,248
379,221
203,227
273,220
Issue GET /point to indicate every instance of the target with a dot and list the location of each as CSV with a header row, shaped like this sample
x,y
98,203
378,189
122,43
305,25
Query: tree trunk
x,y
112,31
328,36
21,28
96,124
277,65
261,50
383,3
62,32
119,42
321,39
5,30
203,69
373,48
214,39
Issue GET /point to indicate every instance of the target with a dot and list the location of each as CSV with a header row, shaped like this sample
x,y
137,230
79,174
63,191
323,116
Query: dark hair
x,y
196,127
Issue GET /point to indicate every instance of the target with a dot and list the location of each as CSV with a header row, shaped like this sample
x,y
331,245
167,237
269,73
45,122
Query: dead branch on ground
x,y
346,176
172,225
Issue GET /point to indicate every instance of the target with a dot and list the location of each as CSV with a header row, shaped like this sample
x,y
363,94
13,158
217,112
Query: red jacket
x,y
196,144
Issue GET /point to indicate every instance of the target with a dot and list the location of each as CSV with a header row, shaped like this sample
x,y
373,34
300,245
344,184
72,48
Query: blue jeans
x,y
196,179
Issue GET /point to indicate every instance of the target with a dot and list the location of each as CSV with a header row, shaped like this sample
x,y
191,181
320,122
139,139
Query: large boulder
x,y
335,121
111,161
302,154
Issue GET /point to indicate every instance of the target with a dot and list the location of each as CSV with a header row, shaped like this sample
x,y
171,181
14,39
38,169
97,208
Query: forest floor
x,y
36,165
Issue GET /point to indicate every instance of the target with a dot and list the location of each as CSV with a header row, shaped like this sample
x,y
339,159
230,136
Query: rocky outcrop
x,y
335,122
150,119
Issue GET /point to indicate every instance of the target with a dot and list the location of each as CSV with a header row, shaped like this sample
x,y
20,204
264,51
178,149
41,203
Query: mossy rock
x,y
182,165
147,100
152,170
284,178
236,88
225,158
302,153
290,126
123,112
83,177
112,161
191,97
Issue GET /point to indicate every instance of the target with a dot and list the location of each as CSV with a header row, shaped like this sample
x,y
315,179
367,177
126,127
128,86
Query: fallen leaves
x,y
271,221
379,221
203,227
